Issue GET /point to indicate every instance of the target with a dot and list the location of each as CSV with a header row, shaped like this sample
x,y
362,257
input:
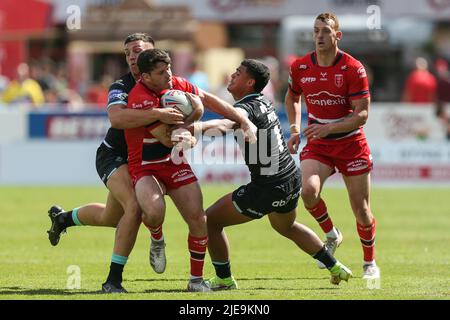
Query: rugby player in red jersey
x,y
152,166
335,88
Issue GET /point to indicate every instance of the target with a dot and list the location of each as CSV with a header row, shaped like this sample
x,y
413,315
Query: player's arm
x,y
225,109
293,107
352,122
214,127
170,138
123,118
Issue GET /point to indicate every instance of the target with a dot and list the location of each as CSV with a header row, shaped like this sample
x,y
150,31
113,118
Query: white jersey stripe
x,y
325,120
152,140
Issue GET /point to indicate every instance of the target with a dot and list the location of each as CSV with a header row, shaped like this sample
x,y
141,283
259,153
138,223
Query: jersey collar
x,y
248,96
335,62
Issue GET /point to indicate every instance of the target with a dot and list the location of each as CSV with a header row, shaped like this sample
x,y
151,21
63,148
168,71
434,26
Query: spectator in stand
x,y
443,93
420,85
3,81
23,89
97,94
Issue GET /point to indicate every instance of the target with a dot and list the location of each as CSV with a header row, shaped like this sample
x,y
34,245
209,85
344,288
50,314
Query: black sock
x,y
115,273
325,257
66,220
223,269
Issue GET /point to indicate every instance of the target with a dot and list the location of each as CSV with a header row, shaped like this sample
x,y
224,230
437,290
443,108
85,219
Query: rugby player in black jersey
x,y
275,180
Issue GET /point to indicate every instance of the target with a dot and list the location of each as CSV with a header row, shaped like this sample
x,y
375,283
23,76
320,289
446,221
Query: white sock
x,y
370,263
333,233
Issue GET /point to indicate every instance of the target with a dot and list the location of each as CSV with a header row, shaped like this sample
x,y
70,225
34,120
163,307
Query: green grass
x,y
412,250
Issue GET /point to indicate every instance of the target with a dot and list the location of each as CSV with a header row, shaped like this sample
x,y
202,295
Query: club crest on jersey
x,y
338,80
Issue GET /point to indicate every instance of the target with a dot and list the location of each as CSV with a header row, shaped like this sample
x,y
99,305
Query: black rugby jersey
x,y
268,159
118,94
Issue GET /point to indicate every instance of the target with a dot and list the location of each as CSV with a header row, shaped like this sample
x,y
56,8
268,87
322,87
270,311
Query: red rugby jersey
x,y
143,148
328,91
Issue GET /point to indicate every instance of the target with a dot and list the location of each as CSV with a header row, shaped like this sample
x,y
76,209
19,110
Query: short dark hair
x,y
148,59
258,71
139,36
325,16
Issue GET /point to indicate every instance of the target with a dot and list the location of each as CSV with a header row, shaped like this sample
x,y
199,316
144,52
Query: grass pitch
x,y
412,250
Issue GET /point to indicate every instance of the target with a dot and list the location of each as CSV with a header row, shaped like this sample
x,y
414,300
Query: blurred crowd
x,y
430,86
45,83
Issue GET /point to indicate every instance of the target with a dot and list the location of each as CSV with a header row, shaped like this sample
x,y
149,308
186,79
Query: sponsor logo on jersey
x,y
137,105
148,103
303,67
344,67
323,76
362,72
338,80
308,79
325,99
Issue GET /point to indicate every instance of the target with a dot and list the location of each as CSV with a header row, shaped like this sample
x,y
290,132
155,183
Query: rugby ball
x,y
178,100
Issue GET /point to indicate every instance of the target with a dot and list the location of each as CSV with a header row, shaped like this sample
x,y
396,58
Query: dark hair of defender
x,y
139,36
258,71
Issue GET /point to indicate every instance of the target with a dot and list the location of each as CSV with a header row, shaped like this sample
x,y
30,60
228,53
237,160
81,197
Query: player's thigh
x,y
150,195
121,186
224,213
282,222
188,199
314,174
358,188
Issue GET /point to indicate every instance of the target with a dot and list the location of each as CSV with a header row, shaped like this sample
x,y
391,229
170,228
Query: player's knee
x,y
196,218
310,193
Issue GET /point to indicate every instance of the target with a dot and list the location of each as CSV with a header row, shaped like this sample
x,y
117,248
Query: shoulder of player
x,y
302,63
252,102
138,93
351,62
178,81
124,83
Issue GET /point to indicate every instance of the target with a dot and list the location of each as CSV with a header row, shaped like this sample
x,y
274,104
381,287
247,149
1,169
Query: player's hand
x,y
316,131
183,139
249,131
170,115
293,143
195,100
